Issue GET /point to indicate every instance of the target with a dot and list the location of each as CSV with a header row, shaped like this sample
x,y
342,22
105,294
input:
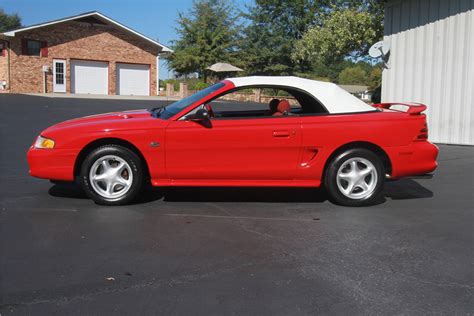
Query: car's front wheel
x,y
355,178
112,175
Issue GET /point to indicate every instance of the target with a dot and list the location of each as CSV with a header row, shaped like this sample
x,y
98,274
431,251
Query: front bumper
x,y
415,159
53,164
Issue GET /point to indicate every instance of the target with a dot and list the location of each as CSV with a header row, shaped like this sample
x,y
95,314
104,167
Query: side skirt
x,y
234,183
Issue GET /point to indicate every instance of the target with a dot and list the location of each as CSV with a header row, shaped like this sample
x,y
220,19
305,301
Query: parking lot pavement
x,y
227,251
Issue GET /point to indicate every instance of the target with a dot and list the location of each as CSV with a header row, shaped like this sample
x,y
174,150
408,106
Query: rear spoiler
x,y
410,108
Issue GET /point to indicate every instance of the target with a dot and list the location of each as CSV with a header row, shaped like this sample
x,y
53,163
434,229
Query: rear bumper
x,y
53,164
415,159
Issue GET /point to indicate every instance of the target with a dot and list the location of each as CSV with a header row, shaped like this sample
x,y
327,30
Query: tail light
x,y
423,134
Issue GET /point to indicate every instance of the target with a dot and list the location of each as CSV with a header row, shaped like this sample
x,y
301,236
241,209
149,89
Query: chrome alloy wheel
x,y
357,178
111,177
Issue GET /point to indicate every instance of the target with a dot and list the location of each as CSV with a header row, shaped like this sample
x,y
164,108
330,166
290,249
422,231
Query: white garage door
x,y
133,79
89,77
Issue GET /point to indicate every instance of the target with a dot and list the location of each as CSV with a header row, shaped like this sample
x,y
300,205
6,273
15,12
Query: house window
x,y
2,49
33,48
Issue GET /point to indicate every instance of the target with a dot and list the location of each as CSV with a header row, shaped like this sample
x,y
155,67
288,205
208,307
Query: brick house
x,y
87,53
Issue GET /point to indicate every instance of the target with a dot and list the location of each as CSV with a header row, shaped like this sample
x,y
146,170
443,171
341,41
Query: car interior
x,y
274,102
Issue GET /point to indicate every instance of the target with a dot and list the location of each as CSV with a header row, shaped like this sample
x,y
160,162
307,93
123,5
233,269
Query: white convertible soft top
x,y
334,98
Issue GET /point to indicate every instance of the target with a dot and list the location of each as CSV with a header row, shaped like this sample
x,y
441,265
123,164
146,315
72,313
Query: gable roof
x,y
333,97
93,14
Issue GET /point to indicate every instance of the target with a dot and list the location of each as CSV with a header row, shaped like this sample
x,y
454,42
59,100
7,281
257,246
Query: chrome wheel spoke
x,y
365,172
99,177
121,181
110,187
354,166
350,187
345,176
363,185
106,165
120,167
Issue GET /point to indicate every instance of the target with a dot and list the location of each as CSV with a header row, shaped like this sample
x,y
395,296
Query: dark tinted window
x,y
33,48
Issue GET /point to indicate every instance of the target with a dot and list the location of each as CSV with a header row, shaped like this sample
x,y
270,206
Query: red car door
x,y
234,149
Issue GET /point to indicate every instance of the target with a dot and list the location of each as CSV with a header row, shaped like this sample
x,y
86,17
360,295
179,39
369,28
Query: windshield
x,y
176,107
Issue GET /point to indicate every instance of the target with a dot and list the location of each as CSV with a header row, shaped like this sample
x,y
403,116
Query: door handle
x,y
281,134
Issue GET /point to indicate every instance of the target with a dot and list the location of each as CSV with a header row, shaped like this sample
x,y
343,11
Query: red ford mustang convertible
x,y
308,134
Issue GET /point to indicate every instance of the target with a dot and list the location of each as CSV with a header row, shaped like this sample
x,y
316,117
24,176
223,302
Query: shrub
x,y
199,85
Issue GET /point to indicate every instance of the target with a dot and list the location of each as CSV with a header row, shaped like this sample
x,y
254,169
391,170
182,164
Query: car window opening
x,y
247,102
261,102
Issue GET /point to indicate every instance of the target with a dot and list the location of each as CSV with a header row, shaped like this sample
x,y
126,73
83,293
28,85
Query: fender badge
x,y
154,144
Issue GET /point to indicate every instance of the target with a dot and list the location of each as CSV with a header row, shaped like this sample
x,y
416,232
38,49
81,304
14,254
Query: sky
x,y
153,18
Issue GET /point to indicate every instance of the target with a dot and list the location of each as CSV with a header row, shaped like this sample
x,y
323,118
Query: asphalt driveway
x,y
216,251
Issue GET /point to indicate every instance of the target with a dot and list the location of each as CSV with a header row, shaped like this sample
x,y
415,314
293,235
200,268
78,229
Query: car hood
x,y
108,121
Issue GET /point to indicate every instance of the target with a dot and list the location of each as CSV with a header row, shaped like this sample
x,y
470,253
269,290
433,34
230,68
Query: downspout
x,y
9,68
158,74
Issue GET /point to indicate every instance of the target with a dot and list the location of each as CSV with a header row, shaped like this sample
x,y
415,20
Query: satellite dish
x,y
379,49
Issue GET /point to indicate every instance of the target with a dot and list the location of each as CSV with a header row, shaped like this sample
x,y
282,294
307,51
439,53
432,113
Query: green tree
x,y
368,67
270,36
375,78
330,70
353,75
208,33
347,30
9,21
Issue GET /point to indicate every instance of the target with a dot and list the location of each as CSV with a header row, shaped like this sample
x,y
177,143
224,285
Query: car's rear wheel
x,y
112,175
355,178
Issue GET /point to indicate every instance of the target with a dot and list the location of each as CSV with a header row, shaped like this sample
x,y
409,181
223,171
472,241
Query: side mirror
x,y
200,115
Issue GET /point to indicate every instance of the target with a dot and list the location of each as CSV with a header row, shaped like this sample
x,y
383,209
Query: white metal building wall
x,y
431,62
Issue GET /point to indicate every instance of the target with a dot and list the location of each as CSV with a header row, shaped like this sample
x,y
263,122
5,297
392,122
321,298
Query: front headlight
x,y
44,143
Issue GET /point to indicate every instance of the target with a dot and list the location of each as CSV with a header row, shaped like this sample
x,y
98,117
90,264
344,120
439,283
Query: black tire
x,y
376,179
133,166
